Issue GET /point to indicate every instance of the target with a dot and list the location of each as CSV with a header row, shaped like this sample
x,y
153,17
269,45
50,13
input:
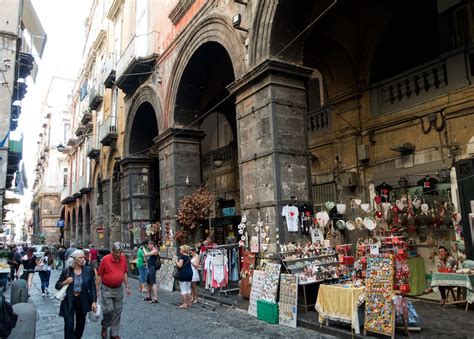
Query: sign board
x,y
288,304
164,276
264,286
379,310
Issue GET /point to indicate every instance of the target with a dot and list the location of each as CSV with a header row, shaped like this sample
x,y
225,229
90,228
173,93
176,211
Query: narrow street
x,y
164,320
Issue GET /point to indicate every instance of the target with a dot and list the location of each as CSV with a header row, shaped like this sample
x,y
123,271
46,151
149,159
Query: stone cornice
x,y
269,66
180,10
178,132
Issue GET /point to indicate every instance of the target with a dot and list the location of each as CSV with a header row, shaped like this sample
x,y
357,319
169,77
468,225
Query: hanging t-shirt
x,y
291,215
383,190
306,217
429,185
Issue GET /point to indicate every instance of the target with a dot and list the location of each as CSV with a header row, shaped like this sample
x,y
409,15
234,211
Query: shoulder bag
x,y
177,270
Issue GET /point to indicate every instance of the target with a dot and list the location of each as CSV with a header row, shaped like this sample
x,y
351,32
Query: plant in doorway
x,y
193,209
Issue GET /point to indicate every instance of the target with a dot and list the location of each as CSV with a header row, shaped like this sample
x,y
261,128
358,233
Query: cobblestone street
x,y
142,320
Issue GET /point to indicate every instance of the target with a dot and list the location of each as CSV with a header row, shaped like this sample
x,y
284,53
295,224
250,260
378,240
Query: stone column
x,y
106,212
136,193
273,144
179,157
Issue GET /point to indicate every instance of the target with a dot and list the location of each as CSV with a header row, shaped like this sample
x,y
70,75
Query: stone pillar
x,y
179,157
136,194
106,212
273,144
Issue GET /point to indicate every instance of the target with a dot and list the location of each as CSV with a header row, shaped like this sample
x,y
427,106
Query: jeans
x,y
44,277
69,331
61,262
142,274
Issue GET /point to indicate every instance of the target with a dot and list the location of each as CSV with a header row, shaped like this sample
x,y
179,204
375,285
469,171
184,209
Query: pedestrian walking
x,y
142,266
81,295
185,275
195,262
93,256
28,262
61,258
70,250
153,260
14,260
45,273
112,275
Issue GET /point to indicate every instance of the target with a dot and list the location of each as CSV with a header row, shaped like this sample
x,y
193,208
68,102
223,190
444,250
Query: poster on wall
x,y
288,304
164,276
264,286
379,310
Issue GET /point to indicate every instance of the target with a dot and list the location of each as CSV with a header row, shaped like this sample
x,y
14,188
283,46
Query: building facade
x,y
51,165
266,102
22,41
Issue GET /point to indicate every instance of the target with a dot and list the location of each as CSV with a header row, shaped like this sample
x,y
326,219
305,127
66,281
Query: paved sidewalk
x,y
142,320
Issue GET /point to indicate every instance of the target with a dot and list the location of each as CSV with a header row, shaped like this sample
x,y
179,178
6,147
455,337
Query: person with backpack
x,y
141,267
45,273
153,264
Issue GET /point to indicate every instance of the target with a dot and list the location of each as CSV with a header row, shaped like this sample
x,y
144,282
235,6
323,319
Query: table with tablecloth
x,y
455,279
340,303
417,275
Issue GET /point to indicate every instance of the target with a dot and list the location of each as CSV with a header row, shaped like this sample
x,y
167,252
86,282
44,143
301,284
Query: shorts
x,y
151,275
185,287
142,274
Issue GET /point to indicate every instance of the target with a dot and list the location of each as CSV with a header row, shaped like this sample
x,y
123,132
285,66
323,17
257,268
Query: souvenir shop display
x,y
288,304
379,308
164,276
246,273
220,269
264,286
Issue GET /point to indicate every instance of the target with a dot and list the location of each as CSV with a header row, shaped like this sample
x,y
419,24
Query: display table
x,y
458,280
302,285
417,275
340,304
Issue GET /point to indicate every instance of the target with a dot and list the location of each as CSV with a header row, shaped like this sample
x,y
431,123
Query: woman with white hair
x,y
81,294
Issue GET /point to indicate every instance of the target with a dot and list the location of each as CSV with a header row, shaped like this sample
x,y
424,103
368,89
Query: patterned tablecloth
x,y
340,304
454,279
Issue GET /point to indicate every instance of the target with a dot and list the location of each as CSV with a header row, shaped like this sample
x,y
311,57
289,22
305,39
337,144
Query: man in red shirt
x,y
112,273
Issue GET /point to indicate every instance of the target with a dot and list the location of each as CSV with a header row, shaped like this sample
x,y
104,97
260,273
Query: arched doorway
x,y
204,103
140,168
68,230
87,233
80,227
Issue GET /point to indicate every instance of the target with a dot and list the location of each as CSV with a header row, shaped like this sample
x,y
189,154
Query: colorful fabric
x,y
340,304
454,279
417,275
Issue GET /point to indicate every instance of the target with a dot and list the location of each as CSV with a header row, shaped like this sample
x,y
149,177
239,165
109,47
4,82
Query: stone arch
x,y
144,95
80,225
212,29
87,225
259,46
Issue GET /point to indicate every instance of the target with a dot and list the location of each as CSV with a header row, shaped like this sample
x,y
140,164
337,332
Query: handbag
x,y
61,294
177,270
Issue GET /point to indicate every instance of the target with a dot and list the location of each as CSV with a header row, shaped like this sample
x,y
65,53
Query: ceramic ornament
x,y
370,223
417,203
400,205
425,208
330,205
359,222
357,202
386,208
350,225
365,207
341,225
341,208
377,199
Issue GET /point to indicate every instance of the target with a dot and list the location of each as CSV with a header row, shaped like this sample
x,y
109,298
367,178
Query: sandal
x,y
147,299
183,306
153,301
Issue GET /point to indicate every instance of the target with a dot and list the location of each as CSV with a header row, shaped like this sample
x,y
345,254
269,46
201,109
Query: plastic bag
x,y
94,316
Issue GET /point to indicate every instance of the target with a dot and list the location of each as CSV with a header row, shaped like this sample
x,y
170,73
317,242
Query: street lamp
x,y
60,148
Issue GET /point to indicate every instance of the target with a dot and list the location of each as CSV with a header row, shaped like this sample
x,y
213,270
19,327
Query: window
x,y
322,194
67,128
65,177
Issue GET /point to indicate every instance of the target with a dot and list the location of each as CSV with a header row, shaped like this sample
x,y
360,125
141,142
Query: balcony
x,y
228,155
80,130
83,185
419,84
108,132
96,96
75,192
15,154
66,196
86,116
318,121
137,62
93,150
108,72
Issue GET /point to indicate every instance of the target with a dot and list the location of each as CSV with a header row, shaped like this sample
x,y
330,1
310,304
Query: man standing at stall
x,y
112,273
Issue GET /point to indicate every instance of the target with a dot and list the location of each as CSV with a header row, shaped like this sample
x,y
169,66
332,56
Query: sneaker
x,y
47,292
42,294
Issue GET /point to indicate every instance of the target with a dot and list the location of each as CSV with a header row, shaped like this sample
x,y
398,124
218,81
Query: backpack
x,y
158,261
8,318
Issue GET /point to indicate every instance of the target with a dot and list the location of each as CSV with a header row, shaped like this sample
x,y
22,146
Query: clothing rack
x,y
219,294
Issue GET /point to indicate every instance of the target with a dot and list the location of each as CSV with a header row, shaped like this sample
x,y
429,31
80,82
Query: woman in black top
x,y
152,258
29,262
81,295
185,276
